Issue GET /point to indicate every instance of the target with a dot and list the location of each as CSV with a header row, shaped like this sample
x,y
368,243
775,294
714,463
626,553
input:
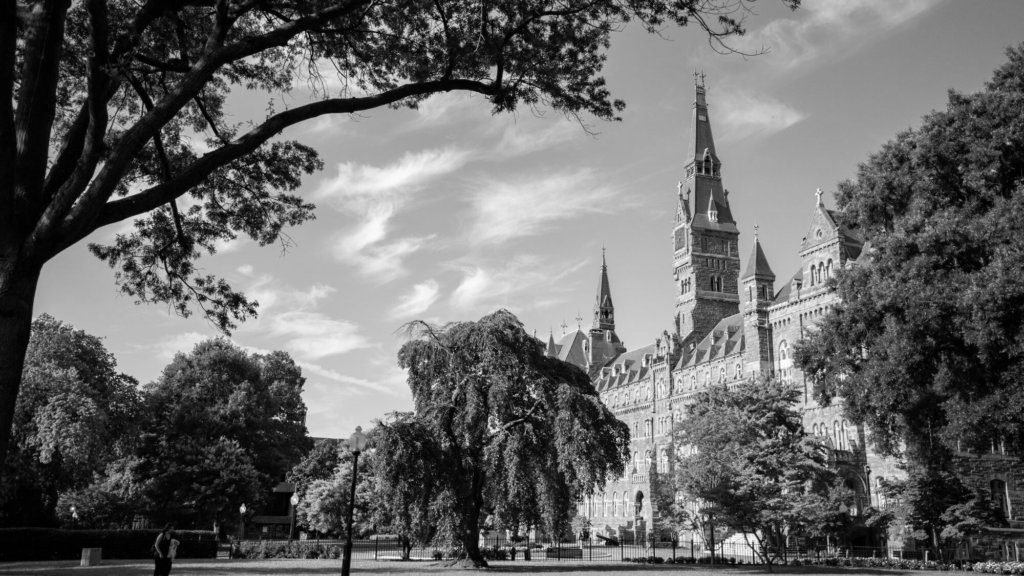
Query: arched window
x,y
719,283
814,430
625,503
739,370
615,504
721,374
647,460
1000,498
663,461
693,382
712,283
828,269
649,392
783,350
636,460
880,493
821,272
846,436
838,435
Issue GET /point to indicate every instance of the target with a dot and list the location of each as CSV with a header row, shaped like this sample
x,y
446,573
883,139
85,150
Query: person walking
x,y
163,557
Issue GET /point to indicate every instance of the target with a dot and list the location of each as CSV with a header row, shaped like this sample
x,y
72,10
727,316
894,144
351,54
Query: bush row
x,y
40,544
990,567
295,550
680,560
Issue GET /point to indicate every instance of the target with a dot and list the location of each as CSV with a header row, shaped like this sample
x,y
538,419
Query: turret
x,y
758,290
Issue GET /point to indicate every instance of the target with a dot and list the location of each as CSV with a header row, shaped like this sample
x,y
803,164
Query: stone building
x,y
732,323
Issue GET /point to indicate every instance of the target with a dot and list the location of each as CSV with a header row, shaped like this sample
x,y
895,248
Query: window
x,y
783,350
739,370
721,374
846,436
625,504
814,430
880,493
636,460
693,382
707,378
719,283
615,504
647,460
1000,497
828,269
712,279
838,435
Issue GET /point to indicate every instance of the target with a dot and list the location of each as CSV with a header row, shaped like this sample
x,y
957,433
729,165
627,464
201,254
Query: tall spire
x,y
757,264
551,350
702,166
604,310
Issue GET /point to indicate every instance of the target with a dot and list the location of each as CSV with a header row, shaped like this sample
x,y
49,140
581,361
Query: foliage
x,y
76,415
581,526
967,519
751,467
116,110
514,434
318,464
405,479
324,504
37,544
225,427
924,496
112,501
926,346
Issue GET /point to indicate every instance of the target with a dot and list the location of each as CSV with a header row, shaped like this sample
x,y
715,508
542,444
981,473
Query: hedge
x,y
40,544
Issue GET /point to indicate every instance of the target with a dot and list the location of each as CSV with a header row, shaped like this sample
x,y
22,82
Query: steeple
x,y
604,310
551,350
757,264
703,168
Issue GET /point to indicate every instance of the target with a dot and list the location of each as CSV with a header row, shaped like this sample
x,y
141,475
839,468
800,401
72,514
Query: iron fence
x,y
586,550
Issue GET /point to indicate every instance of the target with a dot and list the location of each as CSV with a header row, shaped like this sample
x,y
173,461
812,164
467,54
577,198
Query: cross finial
x,y
679,187
755,231
564,326
702,78
695,76
818,195
579,321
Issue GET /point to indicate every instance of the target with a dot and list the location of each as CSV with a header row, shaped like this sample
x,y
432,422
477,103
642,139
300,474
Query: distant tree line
x,y
219,427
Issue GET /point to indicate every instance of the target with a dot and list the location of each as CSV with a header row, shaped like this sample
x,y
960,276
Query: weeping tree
x,y
510,433
118,110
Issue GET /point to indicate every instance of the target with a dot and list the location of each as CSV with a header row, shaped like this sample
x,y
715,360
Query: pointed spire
x,y
604,310
552,350
703,168
757,264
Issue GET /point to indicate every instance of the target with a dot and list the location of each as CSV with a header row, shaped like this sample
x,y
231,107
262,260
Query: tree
x,y
405,480
319,464
514,434
133,97
225,427
75,416
926,344
967,519
750,466
324,504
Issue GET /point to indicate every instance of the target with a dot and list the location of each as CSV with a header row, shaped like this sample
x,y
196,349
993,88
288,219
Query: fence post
x,y
673,548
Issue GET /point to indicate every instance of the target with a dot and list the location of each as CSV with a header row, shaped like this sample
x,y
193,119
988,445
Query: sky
x,y
448,212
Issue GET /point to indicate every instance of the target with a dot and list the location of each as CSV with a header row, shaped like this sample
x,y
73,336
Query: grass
x,y
322,567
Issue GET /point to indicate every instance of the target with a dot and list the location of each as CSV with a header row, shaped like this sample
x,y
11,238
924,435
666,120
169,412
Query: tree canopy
x,y
511,433
746,463
76,415
224,427
927,344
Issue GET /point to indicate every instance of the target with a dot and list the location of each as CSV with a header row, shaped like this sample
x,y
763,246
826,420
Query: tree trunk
x,y
471,543
17,293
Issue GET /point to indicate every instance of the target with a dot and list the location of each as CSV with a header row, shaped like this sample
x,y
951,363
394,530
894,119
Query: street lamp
x,y
241,522
295,502
74,517
356,444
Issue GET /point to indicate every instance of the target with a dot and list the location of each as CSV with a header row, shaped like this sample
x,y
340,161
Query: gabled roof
x,y
552,348
570,348
783,294
720,342
635,370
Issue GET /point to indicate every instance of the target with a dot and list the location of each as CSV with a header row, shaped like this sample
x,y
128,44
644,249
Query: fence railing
x,y
587,550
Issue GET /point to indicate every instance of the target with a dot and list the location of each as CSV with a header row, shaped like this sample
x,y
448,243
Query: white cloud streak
x,y
507,210
417,301
525,282
745,115
827,27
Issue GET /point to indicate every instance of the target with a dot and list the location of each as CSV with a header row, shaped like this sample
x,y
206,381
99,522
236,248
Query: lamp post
x,y
295,502
356,444
241,522
74,517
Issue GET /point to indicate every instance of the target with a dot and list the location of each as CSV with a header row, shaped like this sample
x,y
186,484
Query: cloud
x,y
827,27
290,314
518,139
525,282
744,115
357,185
507,210
184,343
417,301
386,385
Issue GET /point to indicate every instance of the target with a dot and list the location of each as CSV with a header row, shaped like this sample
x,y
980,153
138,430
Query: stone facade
x,y
731,324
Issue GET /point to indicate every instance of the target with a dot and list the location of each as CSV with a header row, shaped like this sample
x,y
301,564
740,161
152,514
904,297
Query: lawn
x,y
321,567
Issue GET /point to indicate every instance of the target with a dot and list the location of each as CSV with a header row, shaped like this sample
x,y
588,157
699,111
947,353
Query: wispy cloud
x,y
290,315
744,115
417,301
385,386
375,194
507,210
525,282
829,27
167,348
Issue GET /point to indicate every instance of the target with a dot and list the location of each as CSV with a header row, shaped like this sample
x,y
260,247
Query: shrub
x,y
41,544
